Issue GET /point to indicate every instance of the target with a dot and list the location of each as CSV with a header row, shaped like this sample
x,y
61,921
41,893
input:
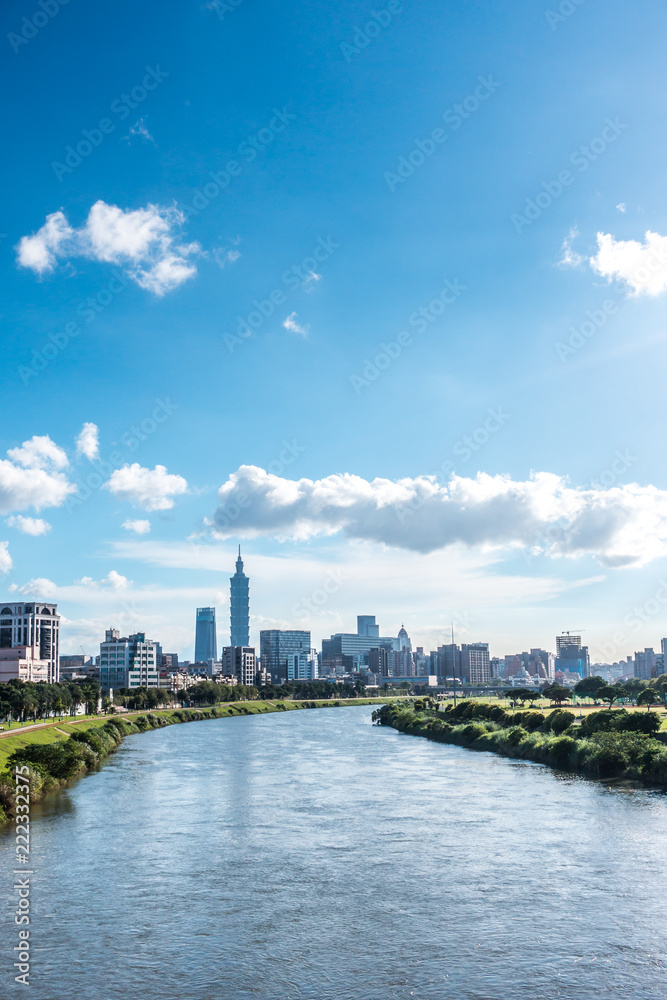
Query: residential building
x,y
206,641
475,665
449,660
645,664
241,662
128,661
239,606
33,625
571,656
277,645
23,663
378,661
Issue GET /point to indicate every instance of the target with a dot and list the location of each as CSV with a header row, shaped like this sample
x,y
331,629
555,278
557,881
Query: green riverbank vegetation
x,y
610,743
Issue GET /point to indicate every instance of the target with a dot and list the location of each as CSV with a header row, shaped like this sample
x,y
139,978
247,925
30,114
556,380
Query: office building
x,y
239,606
33,626
475,665
128,661
276,646
206,642
571,656
366,626
302,666
449,660
378,661
240,661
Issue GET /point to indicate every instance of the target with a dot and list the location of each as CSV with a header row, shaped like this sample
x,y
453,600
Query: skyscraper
x,y
276,646
206,643
33,625
239,606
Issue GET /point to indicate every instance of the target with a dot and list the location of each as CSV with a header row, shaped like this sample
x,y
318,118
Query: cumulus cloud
x,y
39,453
39,587
642,267
88,441
569,256
620,526
5,558
151,489
29,525
291,324
31,478
114,581
138,527
142,240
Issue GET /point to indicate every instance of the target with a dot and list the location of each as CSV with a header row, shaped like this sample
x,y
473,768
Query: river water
x,y
312,856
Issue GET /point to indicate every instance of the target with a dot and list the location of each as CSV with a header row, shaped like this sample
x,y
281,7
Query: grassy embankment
x,y
616,744
60,751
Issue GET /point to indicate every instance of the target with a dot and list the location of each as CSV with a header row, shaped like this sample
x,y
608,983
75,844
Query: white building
x,y
23,663
33,625
128,661
302,666
240,661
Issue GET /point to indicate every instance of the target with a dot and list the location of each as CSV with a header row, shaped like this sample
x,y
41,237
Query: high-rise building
x,y
302,666
355,644
239,606
36,626
276,646
206,642
366,626
475,665
449,660
571,656
378,661
128,661
240,662
645,664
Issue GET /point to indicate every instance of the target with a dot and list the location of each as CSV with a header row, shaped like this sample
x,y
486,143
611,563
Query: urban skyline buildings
x,y
36,626
206,640
239,606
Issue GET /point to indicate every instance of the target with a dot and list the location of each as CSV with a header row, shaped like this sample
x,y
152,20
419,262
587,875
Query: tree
x,y
589,687
556,693
649,696
611,693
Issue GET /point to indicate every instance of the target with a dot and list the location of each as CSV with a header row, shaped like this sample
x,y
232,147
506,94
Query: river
x,y
312,856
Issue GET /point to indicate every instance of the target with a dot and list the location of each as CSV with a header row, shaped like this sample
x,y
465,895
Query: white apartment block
x,y
33,625
128,661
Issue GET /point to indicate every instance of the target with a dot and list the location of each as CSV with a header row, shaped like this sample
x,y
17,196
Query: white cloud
x,y
139,128
151,489
5,558
622,207
291,324
39,251
29,525
39,587
39,453
624,525
570,257
27,480
223,257
311,280
114,580
88,441
142,240
640,266
138,527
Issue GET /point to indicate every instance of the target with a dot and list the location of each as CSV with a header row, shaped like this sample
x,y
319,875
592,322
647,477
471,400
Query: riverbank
x,y
606,744
59,751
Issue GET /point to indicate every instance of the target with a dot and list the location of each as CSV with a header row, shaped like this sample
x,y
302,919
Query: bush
x,y
530,720
559,721
561,750
515,736
59,760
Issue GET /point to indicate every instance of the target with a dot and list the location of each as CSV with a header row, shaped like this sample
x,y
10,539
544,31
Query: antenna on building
x,y
454,664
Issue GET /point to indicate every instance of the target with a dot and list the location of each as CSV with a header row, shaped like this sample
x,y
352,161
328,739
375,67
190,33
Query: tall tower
x,y
239,606
206,643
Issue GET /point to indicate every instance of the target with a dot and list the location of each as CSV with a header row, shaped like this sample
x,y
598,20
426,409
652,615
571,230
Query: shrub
x,y
560,751
515,736
473,731
530,720
559,721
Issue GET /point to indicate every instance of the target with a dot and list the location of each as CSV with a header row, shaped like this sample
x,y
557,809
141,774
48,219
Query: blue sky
x,y
350,188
